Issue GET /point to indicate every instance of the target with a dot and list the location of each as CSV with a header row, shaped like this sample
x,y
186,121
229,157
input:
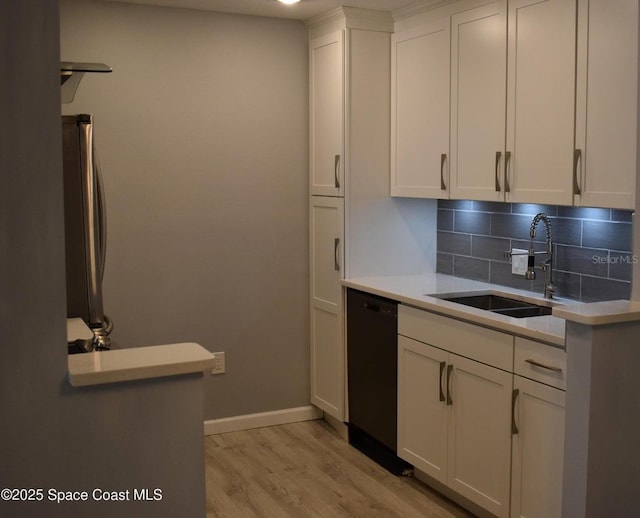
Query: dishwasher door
x,y
372,366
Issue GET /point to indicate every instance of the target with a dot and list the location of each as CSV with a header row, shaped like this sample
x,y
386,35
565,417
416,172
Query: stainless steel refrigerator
x,y
85,230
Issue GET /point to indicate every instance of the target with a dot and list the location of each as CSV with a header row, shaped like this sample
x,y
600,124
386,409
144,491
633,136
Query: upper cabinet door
x,y
607,99
478,102
540,101
326,148
420,64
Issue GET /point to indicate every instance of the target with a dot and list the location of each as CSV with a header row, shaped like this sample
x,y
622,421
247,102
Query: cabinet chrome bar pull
x,y
336,263
336,169
449,370
498,156
443,159
543,366
507,164
514,398
442,366
577,155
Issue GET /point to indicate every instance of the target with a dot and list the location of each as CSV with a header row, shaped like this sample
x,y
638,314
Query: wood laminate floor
x,y
306,470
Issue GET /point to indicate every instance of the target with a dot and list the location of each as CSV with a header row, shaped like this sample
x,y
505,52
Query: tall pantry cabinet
x,y
356,228
332,39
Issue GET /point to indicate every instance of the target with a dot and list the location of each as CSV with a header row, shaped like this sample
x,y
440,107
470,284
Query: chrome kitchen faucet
x,y
547,265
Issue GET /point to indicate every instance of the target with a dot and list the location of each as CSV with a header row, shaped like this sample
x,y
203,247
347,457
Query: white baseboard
x,y
276,417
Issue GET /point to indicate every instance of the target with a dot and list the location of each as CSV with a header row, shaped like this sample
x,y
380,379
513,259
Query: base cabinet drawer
x,y
540,362
462,338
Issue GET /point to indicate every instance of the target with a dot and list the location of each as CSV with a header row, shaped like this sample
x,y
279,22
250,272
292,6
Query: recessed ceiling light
x,y
288,2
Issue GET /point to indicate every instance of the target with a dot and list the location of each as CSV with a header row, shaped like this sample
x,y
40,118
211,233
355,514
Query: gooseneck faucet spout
x,y
547,265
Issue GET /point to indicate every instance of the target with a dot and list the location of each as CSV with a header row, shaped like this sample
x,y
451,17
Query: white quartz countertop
x,y
601,313
137,363
419,291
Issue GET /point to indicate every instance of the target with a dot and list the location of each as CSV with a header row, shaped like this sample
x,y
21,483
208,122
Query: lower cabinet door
x,y
454,422
538,449
422,409
479,450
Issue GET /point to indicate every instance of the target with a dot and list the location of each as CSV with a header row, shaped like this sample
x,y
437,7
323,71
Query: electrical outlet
x,y
519,260
219,367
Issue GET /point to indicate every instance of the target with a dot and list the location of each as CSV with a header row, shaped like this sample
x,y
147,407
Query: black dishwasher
x,y
372,369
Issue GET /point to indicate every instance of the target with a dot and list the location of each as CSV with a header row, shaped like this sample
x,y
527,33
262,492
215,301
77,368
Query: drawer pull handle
x,y
442,366
336,170
514,399
449,370
336,263
543,366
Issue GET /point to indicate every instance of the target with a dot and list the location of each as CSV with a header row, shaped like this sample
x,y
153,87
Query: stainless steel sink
x,y
500,304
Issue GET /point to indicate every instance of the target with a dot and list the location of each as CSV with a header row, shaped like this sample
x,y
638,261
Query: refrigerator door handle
x,y
101,216
92,228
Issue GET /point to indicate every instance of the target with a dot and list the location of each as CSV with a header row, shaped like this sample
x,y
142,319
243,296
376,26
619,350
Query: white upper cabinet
x,y
607,98
540,101
478,93
528,101
326,113
420,61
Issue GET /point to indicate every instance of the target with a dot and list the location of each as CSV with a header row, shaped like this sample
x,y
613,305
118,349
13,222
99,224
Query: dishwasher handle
x,y
381,309
371,306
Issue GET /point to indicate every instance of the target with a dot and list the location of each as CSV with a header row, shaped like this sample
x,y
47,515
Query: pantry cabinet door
x,y
420,60
478,102
540,101
326,114
327,333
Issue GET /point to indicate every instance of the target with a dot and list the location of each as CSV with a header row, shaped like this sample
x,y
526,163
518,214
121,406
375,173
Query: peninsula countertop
x,y
423,291
117,365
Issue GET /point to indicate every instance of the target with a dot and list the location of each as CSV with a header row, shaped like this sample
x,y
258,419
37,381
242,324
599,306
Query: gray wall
x,y
203,142
145,434
32,291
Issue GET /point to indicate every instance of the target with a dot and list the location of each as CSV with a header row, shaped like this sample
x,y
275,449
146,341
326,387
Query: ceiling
x,y
300,11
